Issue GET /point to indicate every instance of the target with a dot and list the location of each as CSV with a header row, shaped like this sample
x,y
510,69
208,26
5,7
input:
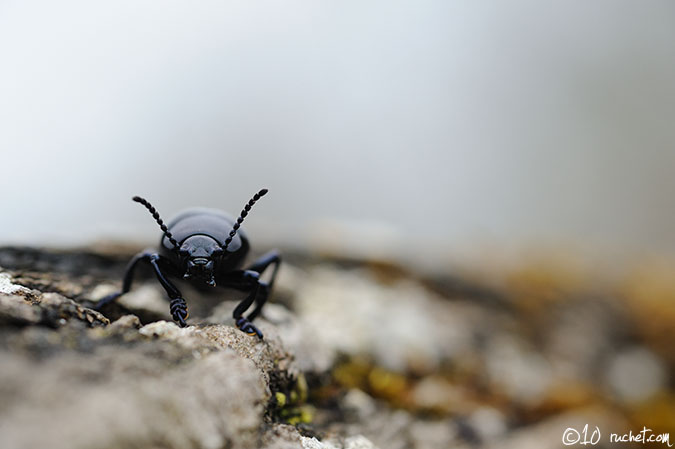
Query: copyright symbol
x,y
570,436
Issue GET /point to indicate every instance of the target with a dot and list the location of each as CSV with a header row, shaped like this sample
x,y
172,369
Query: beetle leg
x,y
260,266
252,279
128,279
260,300
267,259
246,326
177,306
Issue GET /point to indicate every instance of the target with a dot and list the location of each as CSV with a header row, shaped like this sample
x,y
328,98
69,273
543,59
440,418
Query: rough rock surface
x,y
355,356
70,378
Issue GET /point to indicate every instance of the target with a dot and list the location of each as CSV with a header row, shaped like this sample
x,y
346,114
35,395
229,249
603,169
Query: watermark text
x,y
592,436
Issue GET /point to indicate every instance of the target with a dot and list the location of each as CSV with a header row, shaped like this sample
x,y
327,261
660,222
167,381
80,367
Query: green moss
x,y
299,415
288,403
281,399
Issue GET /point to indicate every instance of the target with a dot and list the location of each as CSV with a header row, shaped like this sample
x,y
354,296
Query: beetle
x,y
207,248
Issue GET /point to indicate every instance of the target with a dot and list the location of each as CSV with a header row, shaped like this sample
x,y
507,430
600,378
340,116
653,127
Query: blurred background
x,y
426,129
518,155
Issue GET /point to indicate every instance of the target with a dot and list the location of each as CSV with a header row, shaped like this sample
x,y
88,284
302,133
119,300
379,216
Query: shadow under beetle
x,y
207,248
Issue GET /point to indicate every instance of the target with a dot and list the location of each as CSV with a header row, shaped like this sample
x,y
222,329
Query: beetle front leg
x,y
177,306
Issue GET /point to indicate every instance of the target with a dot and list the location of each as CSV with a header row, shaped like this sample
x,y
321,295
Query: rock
x,y
649,295
311,352
281,436
359,442
169,331
520,372
127,385
359,404
313,443
353,358
436,394
488,423
288,437
165,386
31,307
636,374
113,402
125,322
15,310
145,300
7,287
433,434
386,429
66,308
549,433
400,325
581,334
268,355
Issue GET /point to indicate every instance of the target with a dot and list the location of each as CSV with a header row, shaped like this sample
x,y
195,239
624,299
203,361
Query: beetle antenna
x,y
243,215
159,221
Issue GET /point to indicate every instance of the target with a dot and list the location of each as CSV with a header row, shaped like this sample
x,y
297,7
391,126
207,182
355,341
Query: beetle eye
x,y
183,253
217,252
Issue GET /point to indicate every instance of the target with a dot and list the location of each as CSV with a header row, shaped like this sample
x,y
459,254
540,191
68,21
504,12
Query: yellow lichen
x,y
281,398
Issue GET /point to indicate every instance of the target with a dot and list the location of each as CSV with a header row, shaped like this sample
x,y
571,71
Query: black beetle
x,y
207,248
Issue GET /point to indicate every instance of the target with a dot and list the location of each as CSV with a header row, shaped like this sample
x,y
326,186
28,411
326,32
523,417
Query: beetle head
x,y
199,254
